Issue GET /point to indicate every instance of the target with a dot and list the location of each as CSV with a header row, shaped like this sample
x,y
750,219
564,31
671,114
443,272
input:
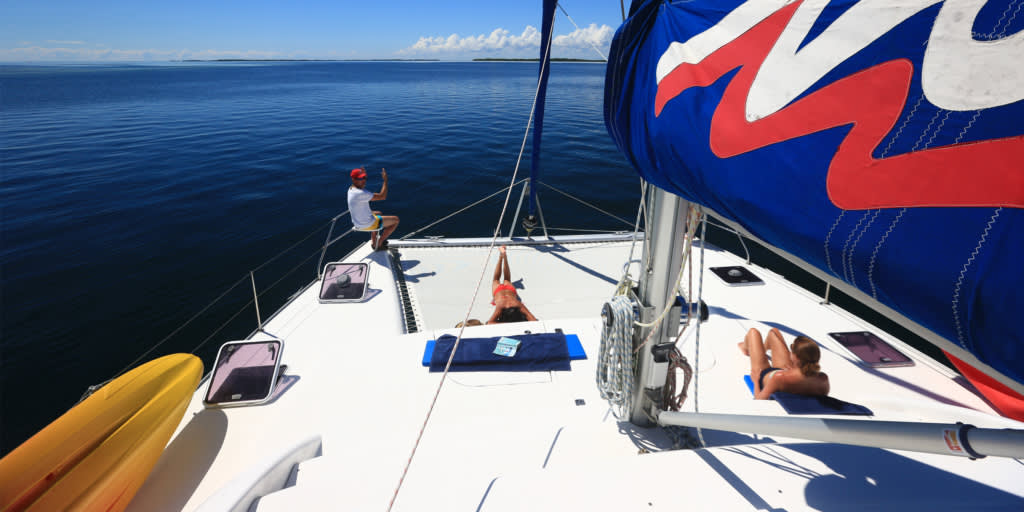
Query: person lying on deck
x,y
507,306
792,372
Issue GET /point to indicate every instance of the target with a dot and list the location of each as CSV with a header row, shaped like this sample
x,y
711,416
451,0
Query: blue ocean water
x,y
133,195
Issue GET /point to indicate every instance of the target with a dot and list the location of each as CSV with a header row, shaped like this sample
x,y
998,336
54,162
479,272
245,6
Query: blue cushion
x,y
537,352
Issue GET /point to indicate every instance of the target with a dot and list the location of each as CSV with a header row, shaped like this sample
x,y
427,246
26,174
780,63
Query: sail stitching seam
x,y
963,275
848,276
895,137
874,254
853,276
984,235
1002,32
899,216
828,239
938,129
903,125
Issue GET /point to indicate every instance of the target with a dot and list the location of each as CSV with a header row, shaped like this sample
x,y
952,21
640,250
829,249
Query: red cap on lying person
x,y
358,174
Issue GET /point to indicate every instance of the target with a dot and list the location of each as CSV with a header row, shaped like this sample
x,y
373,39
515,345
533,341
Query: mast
x,y
657,288
530,221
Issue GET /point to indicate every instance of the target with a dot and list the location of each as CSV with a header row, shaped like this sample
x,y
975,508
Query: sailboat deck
x,y
546,440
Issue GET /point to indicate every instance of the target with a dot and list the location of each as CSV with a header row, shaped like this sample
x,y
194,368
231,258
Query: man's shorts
x,y
378,220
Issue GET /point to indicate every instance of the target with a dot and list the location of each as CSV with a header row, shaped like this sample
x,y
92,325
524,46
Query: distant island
x,y
309,60
536,60
488,59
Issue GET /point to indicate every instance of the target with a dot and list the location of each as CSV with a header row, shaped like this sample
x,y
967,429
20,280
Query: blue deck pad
x,y
572,343
537,352
800,404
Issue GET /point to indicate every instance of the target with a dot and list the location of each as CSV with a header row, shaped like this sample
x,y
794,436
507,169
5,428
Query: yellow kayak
x,y
98,454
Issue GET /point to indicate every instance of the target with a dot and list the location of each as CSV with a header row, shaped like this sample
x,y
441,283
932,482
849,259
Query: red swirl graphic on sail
x,y
983,173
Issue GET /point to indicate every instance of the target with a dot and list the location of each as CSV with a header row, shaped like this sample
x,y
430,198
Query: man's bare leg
x,y
390,223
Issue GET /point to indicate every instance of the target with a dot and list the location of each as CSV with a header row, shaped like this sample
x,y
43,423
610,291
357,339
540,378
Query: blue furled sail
x,y
880,142
542,75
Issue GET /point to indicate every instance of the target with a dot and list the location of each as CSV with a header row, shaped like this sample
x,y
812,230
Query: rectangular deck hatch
x,y
871,349
736,276
244,373
344,282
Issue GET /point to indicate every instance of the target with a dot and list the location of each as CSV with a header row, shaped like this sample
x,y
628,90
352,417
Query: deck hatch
x,y
244,373
344,282
737,276
871,349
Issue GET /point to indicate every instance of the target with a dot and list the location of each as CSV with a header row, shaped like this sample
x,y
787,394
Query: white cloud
x,y
52,41
499,39
593,35
509,45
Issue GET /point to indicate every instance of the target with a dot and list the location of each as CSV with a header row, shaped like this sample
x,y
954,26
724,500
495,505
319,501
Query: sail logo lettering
x,y
757,108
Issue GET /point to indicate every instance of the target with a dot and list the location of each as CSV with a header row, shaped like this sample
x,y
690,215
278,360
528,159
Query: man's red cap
x,y
358,174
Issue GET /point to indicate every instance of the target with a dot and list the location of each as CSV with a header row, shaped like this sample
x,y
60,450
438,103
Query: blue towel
x,y
572,342
537,352
802,404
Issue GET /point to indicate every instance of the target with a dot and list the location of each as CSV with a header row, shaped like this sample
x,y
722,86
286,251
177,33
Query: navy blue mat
x,y
536,352
802,404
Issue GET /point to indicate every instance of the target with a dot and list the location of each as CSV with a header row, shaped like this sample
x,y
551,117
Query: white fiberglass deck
x,y
545,440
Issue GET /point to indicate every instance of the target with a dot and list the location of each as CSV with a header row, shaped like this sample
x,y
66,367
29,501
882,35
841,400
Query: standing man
x,y
363,219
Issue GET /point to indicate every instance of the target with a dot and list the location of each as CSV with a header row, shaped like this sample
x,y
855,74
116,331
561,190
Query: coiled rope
x,y
615,357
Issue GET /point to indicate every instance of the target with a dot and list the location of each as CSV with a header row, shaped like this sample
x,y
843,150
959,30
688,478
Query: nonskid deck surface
x,y
355,379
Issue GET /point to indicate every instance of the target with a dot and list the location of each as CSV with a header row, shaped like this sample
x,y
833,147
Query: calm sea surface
x,y
133,195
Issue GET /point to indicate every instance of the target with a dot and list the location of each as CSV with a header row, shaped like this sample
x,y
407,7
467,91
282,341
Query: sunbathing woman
x,y
507,306
793,372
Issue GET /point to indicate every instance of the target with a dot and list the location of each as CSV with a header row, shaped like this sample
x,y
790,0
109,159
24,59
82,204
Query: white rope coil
x,y
615,357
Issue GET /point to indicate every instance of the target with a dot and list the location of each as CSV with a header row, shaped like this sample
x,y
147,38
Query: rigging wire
x,y
570,196
603,56
214,301
476,290
462,210
625,284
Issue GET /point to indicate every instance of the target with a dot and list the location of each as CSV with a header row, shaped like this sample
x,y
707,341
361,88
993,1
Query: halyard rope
x,y
616,355
700,293
476,290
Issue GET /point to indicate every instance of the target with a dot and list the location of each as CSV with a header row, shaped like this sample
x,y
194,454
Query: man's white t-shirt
x,y
359,207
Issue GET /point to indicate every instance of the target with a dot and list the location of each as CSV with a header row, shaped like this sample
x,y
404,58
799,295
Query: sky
x,y
140,30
